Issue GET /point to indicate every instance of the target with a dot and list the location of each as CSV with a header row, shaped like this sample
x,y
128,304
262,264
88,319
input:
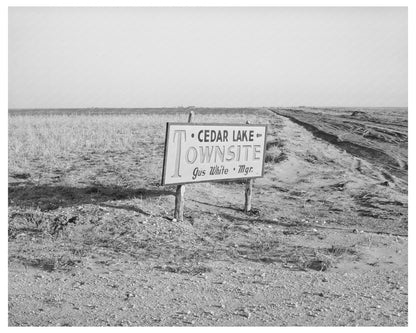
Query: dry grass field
x,y
92,241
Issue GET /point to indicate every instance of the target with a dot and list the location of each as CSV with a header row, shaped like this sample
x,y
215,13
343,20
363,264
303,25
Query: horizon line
x,y
202,107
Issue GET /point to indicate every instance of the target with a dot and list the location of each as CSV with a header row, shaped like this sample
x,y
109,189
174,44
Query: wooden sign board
x,y
208,152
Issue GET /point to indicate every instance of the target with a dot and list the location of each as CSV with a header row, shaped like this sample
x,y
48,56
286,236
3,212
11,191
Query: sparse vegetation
x,y
87,214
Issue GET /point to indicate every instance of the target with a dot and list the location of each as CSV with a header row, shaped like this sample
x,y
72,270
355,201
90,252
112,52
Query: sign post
x,y
248,193
180,190
206,152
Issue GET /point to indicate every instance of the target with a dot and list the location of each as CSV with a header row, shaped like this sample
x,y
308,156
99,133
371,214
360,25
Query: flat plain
x,y
92,241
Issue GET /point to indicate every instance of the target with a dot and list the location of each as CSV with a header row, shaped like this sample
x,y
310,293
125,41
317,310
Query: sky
x,y
77,57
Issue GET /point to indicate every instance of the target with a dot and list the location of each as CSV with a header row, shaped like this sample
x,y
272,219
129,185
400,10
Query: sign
x,y
207,152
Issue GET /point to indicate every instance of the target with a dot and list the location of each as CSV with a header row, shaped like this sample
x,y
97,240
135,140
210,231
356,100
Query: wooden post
x,y
249,191
180,190
179,202
191,116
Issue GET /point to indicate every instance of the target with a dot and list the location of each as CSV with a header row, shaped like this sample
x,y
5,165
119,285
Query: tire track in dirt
x,y
376,156
317,178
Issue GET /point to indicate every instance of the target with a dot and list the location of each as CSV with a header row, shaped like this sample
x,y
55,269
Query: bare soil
x,y
93,243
